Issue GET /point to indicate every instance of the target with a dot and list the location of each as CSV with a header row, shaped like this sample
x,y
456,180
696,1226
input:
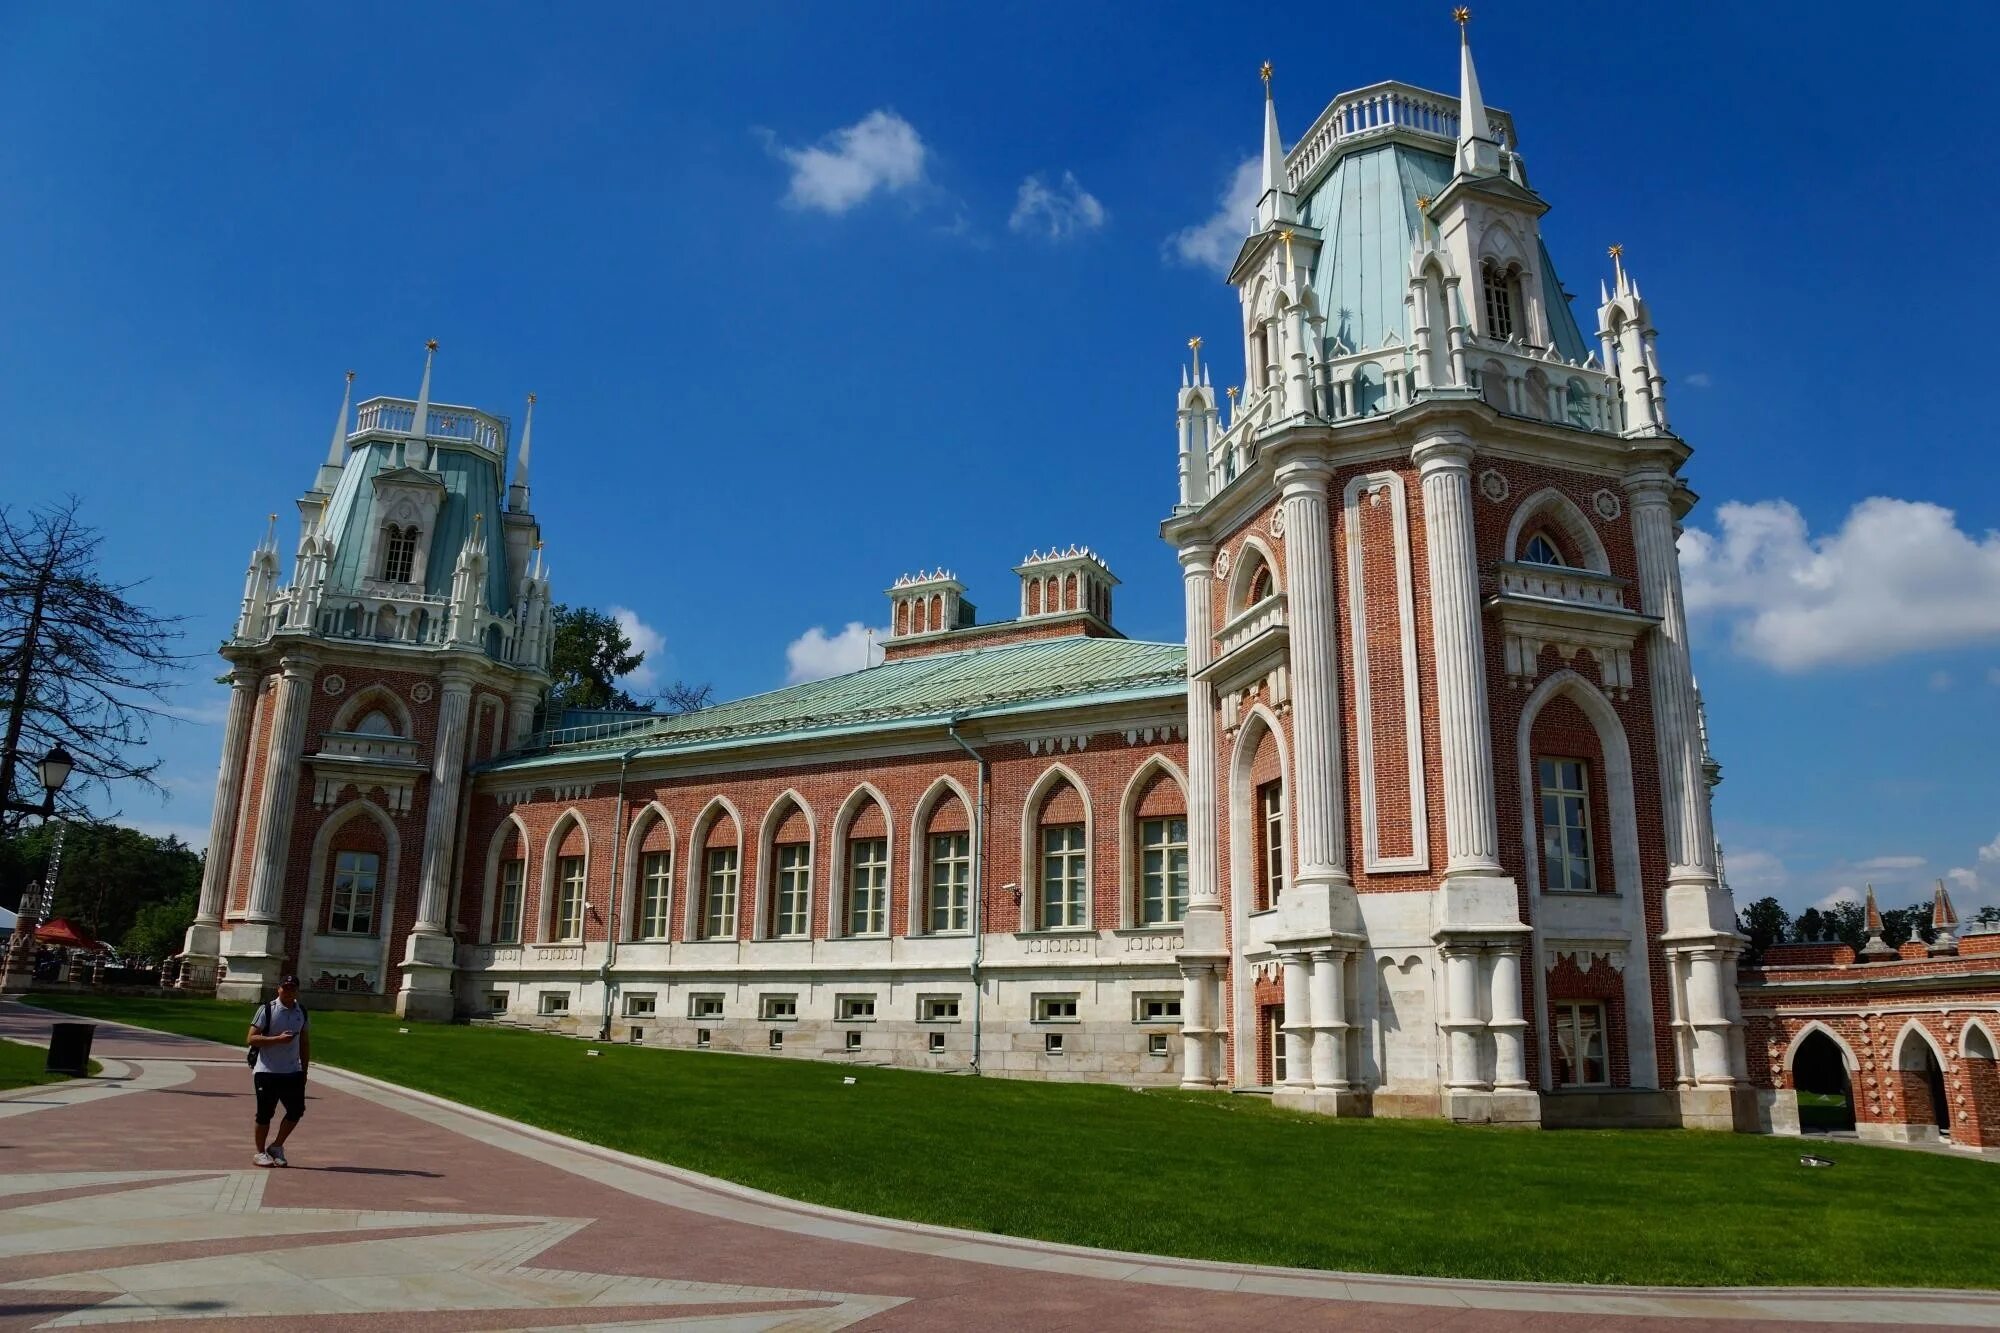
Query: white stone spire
x,y
468,582
1478,153
517,494
1274,204
1631,351
420,424
336,452
1198,424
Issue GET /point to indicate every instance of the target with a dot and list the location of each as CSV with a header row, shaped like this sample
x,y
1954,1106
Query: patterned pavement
x,y
130,1198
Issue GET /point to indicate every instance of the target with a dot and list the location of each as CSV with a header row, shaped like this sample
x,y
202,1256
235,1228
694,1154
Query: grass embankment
x,y
1205,1175
21,1067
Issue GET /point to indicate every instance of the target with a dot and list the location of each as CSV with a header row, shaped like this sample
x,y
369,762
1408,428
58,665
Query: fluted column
x,y
441,814
204,937
1329,1021
281,787
1319,809
1676,727
1465,733
1204,932
1298,1024
1461,964
1298,380
1510,1066
521,713
1708,1016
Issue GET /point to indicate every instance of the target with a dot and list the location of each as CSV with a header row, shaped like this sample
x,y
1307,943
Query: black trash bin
x,y
69,1048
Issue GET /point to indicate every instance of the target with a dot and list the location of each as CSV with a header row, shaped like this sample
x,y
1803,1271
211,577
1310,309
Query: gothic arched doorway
x,y
1819,1075
1923,1081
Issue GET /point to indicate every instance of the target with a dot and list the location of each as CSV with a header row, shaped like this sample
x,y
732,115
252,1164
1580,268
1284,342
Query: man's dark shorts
x,y
273,1089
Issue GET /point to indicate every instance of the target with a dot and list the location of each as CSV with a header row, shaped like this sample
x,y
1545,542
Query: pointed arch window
x,y
656,873
1163,871
399,553
1503,300
354,880
507,920
1539,550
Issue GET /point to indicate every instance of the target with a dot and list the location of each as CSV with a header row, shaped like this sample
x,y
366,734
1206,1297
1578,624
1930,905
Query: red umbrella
x,y
67,935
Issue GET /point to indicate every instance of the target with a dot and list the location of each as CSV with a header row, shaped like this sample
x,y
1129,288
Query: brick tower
x,y
1451,847
411,642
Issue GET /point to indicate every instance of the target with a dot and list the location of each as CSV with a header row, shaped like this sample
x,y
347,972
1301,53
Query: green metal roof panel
x,y
472,486
1366,208
968,683
1570,345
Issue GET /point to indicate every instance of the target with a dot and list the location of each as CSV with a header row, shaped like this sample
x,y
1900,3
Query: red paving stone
x,y
351,1154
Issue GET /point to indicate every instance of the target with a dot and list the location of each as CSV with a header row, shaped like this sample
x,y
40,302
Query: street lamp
x,y
18,967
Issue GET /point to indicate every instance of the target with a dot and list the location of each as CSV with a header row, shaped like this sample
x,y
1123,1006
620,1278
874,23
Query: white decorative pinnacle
x,y
420,424
1073,552
937,575
336,451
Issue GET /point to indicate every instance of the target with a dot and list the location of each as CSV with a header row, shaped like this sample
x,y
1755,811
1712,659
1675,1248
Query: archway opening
x,y
1826,1096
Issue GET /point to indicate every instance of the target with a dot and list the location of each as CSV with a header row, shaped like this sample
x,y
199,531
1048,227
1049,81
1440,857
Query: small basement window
x,y
854,1041
938,1009
777,1038
1052,1043
1055,1008
1156,1043
1157,1009
701,1038
937,1043
496,1003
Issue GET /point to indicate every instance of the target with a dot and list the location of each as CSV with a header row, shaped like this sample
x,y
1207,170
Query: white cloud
x,y
1990,853
1879,864
1059,213
1755,874
644,639
881,151
1843,894
1899,576
816,654
1214,243
1940,681
1701,379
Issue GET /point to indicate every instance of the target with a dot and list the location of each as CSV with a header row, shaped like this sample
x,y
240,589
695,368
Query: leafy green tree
x,y
1847,923
158,928
590,654
1988,915
1766,923
108,876
1811,927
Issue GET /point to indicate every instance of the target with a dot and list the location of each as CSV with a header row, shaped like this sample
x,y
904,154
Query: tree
x,y
591,652
159,928
1766,923
82,665
111,876
1988,915
1811,927
1847,923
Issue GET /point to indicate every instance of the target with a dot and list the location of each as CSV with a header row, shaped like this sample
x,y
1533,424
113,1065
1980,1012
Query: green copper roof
x,y
924,689
1366,209
472,486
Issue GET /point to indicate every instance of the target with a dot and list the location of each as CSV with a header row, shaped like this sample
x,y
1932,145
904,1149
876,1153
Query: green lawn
x,y
1205,1175
21,1066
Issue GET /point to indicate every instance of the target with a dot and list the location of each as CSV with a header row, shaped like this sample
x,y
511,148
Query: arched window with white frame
x,y
787,854
399,552
717,868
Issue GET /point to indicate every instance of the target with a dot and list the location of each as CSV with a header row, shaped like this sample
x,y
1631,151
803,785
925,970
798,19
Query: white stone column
x,y
1708,1017
1318,806
1329,1021
204,938
1197,1025
281,787
1298,1024
1510,1066
521,713
1298,382
1465,1024
1204,937
428,958
1465,732
256,954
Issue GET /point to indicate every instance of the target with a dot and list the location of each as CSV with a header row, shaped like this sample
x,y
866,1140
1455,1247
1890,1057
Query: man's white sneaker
x,y
278,1155
264,1159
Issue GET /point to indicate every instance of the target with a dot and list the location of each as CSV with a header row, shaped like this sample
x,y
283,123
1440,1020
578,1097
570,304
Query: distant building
x,y
1415,822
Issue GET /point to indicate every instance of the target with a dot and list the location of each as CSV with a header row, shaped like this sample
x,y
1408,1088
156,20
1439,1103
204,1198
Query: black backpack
x,y
264,1012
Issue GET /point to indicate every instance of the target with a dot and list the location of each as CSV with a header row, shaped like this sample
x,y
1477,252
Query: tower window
x,y
1503,303
354,878
1565,793
1541,551
1270,842
399,553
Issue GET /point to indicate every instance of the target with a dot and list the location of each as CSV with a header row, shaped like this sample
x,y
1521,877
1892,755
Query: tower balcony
x,y
1572,610
396,418
1377,112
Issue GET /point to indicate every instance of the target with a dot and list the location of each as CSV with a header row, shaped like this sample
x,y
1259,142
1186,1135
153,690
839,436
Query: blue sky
x,y
815,296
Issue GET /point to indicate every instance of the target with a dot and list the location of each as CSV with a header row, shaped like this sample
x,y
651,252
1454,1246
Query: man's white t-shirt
x,y
272,1019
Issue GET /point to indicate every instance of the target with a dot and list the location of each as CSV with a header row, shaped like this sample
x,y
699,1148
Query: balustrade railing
x,y
1375,110
397,416
1560,583
1255,620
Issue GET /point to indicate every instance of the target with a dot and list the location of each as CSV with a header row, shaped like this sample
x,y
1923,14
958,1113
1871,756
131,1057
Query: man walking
x,y
283,1050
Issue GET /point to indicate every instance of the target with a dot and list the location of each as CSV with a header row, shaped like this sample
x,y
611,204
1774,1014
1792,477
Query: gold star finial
x,y
531,399
1233,391
1424,203
1264,73
350,377
1616,252
1463,15
1195,342
430,344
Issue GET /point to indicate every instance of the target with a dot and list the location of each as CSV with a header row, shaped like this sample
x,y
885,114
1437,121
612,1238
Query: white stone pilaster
x,y
1329,1021
429,954
1465,734
1204,931
1690,842
1298,1024
1319,806
1198,1026
1510,1067
281,786
1465,1024
204,938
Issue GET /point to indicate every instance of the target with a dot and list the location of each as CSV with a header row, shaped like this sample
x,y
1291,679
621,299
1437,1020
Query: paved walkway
x,y
131,1198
